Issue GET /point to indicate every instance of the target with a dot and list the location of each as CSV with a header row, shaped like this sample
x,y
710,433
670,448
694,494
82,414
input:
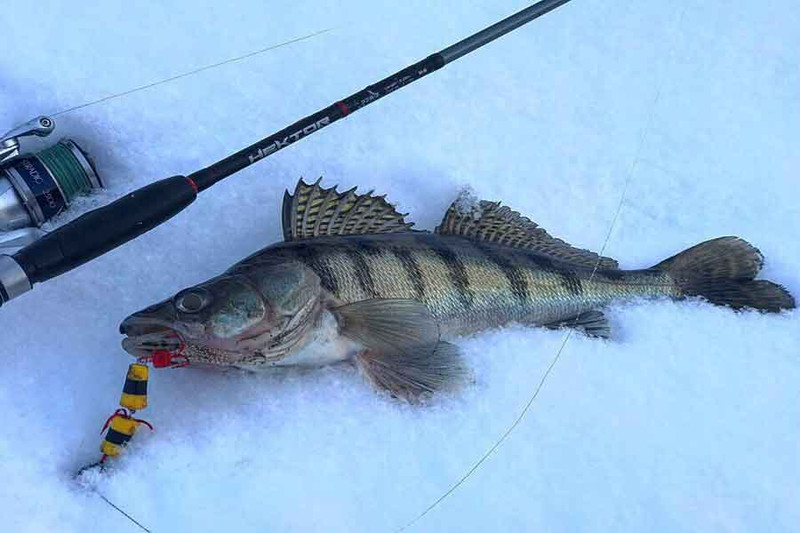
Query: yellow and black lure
x,y
122,424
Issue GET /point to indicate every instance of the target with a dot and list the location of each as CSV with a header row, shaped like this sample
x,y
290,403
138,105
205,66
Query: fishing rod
x,y
108,227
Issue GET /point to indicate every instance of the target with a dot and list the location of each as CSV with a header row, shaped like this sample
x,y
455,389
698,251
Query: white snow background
x,y
689,420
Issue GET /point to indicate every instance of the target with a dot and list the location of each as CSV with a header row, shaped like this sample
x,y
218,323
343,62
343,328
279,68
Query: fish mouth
x,y
144,335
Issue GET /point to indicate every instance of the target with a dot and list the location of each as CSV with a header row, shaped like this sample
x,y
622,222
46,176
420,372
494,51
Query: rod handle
x,y
106,228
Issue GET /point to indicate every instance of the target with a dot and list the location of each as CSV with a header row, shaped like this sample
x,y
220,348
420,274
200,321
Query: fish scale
x,y
466,287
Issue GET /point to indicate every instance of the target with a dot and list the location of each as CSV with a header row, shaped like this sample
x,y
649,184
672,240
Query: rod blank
x,y
220,170
497,30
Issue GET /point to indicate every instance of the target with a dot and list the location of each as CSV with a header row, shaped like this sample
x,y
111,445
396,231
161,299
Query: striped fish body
x,y
352,280
467,285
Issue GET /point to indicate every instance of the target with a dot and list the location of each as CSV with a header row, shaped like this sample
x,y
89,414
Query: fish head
x,y
248,316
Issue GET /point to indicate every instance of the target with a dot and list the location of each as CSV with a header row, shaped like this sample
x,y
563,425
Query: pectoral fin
x,y
402,351
416,373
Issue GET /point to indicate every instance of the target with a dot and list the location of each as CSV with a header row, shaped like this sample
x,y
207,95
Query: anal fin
x,y
593,323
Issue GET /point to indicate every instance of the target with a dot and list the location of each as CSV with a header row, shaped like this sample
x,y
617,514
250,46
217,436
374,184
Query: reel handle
x,y
94,234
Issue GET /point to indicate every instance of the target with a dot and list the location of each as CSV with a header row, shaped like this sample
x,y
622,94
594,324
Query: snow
x,y
689,420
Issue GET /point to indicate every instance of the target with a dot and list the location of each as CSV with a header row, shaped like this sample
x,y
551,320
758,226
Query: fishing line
x,y
155,84
547,372
191,72
126,515
568,336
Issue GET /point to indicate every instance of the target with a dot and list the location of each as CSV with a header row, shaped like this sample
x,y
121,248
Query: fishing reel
x,y
35,187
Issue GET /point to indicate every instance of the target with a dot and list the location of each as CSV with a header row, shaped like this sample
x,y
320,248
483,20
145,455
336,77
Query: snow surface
x,y
688,421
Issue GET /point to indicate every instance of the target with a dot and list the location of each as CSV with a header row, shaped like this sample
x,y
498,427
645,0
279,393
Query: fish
x,y
352,280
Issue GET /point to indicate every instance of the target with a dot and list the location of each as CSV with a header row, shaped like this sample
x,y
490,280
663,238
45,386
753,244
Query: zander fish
x,y
353,280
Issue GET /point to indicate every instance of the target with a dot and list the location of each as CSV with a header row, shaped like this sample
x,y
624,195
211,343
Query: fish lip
x,y
147,334
136,325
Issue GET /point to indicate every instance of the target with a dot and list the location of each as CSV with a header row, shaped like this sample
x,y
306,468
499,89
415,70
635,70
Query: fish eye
x,y
192,300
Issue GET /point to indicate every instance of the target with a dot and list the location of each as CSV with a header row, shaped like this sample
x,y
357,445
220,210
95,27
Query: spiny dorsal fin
x,y
489,221
313,211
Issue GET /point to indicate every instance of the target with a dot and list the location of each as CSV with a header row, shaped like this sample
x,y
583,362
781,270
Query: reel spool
x,y
35,187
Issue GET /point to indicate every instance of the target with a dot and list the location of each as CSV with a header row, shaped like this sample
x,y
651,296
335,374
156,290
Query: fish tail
x,y
722,271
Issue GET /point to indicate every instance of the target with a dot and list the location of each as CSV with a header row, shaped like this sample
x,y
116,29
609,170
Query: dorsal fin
x,y
313,211
491,222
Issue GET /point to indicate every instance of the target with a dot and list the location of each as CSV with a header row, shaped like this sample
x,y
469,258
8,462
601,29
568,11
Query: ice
x,y
467,203
686,421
